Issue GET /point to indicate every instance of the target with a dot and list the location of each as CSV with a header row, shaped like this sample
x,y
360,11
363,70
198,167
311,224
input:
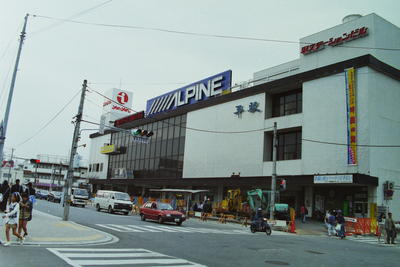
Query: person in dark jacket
x,y
17,188
341,221
30,190
5,190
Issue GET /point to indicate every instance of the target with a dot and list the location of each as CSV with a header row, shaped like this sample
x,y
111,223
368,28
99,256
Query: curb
x,y
107,239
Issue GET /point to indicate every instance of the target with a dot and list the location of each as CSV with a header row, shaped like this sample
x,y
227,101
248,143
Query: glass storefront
x,y
162,157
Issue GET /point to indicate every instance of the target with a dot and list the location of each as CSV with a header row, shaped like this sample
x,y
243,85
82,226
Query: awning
x,y
172,190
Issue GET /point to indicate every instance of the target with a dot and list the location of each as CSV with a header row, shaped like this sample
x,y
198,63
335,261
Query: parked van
x,y
79,197
113,201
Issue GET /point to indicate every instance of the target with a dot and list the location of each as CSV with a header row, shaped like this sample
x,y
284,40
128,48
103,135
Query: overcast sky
x,y
56,59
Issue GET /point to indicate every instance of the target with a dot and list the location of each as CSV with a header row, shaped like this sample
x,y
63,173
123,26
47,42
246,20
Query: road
x,y
194,243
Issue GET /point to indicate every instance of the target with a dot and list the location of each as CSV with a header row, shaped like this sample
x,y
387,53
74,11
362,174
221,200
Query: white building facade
x,y
228,138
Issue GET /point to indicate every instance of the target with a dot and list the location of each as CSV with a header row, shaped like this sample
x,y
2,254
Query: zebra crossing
x,y
79,257
169,229
372,240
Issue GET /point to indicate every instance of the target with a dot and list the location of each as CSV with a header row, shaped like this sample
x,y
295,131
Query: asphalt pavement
x,y
195,243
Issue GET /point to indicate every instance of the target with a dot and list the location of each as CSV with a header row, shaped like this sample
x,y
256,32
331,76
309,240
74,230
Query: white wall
x,y
325,119
96,157
381,34
218,155
384,99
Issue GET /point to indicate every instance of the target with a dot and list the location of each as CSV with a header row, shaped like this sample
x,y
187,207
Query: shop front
x,y
349,193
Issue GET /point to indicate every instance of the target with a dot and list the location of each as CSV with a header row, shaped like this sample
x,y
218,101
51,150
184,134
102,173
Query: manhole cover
x,y
277,262
314,252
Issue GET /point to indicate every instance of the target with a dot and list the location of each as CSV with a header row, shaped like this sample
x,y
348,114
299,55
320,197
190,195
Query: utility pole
x,y
9,163
74,147
273,177
4,123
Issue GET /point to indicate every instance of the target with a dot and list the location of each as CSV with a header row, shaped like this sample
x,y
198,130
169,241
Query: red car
x,y
161,212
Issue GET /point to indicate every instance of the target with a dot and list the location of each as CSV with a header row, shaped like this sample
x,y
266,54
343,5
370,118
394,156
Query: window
x,y
101,167
159,157
286,104
289,145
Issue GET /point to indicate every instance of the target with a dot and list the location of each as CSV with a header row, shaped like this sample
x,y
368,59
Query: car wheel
x,y
142,217
97,207
83,206
126,213
253,229
179,223
160,220
110,210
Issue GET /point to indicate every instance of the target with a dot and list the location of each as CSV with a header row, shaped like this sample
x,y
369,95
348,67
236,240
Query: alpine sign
x,y
190,94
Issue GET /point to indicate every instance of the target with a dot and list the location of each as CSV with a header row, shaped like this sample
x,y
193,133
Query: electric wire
x,y
79,14
343,144
184,127
51,120
236,37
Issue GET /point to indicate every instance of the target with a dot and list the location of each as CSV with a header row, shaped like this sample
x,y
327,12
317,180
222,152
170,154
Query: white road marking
x,y
170,229
101,256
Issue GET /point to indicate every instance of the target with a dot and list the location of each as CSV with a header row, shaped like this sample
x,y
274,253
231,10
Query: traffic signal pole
x,y
4,123
273,177
74,147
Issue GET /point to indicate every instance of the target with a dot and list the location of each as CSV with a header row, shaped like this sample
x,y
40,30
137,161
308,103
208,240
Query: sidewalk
x,y
310,227
46,229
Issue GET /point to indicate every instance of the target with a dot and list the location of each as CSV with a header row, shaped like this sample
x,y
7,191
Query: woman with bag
x,y
340,225
25,214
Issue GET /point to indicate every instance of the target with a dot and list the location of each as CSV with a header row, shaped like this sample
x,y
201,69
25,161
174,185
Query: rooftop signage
x,y
210,87
334,41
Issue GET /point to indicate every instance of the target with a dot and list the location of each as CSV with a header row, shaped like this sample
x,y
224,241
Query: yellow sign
x,y
107,149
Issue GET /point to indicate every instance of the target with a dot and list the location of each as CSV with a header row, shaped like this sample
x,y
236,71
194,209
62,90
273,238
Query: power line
x,y
236,37
50,121
79,14
343,144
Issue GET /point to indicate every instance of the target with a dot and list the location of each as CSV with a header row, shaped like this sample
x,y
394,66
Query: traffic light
x,y
282,184
35,161
388,190
141,132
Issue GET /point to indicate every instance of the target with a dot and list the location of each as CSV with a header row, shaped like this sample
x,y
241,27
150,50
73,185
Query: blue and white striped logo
x,y
190,94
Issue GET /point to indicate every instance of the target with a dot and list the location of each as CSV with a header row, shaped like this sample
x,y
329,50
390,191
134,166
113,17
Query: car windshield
x,y
164,206
81,192
56,193
122,196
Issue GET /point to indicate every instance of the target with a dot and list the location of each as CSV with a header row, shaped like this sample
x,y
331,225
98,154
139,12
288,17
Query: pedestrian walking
x,y
17,188
303,212
31,193
5,193
331,224
11,219
381,226
340,224
390,229
25,214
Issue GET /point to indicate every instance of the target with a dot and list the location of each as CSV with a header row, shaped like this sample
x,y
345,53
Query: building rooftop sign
x,y
210,87
334,41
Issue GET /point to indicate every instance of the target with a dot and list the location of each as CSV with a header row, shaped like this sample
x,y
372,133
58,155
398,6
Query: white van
x,y
113,201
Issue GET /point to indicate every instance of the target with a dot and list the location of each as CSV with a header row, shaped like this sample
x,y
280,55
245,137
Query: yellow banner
x,y
107,149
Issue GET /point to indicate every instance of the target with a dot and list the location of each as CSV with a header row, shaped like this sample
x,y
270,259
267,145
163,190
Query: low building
x,y
49,172
338,128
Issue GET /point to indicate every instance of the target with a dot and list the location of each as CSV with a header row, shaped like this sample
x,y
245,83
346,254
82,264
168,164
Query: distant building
x,y
50,172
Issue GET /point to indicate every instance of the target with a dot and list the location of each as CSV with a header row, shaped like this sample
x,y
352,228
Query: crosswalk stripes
x,y
79,257
168,229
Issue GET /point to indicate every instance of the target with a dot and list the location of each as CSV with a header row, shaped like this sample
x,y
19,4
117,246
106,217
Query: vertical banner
x,y
351,117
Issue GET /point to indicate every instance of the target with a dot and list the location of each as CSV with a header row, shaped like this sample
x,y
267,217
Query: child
x,y
11,218
25,213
